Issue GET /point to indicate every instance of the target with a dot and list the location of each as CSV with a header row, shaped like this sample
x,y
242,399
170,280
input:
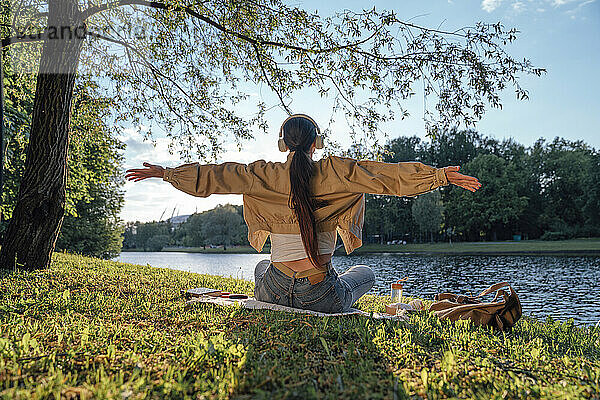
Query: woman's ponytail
x,y
299,136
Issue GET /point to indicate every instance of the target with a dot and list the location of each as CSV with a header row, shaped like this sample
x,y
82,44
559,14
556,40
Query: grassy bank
x,y
92,328
230,250
573,246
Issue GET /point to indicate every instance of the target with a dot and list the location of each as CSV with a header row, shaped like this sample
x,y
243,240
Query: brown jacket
x,y
340,181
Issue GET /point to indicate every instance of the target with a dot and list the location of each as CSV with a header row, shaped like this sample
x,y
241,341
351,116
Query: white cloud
x,y
518,6
583,4
580,3
490,5
576,11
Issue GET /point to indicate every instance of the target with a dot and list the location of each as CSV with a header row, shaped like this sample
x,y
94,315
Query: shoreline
x,y
572,247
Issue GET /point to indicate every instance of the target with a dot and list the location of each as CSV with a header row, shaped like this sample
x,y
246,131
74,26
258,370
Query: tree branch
x,y
23,39
154,70
262,68
161,6
422,28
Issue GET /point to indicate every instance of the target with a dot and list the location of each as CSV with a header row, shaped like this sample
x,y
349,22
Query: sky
x,y
562,36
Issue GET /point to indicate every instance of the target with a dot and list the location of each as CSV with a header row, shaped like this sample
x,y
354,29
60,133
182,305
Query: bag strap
x,y
445,296
493,288
462,299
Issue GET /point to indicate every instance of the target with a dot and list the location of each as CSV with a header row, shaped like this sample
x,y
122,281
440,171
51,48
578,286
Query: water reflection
x,y
561,287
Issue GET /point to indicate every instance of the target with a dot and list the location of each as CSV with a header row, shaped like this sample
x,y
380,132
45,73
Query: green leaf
x,y
325,346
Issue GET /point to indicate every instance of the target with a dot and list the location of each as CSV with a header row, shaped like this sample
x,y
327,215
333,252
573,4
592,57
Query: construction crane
x,y
161,215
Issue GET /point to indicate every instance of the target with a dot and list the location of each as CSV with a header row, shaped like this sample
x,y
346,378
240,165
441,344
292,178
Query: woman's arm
x,y
464,181
151,171
400,179
200,180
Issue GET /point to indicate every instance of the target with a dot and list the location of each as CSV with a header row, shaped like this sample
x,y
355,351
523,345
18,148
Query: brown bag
x,y
500,314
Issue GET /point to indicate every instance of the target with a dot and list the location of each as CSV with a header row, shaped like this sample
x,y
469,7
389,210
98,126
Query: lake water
x,y
557,286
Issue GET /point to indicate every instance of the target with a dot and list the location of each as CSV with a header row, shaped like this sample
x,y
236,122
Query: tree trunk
x,y
37,218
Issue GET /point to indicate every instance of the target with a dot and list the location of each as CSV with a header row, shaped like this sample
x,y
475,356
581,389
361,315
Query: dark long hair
x,y
299,133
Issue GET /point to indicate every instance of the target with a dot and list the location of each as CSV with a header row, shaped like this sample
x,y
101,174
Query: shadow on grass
x,y
299,356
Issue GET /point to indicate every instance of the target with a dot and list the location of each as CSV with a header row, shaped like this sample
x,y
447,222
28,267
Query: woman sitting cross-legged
x,y
303,205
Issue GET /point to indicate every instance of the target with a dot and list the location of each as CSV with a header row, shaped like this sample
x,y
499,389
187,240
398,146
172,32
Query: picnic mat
x,y
253,304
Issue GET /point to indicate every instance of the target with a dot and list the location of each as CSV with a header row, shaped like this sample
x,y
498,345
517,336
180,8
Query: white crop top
x,y
289,246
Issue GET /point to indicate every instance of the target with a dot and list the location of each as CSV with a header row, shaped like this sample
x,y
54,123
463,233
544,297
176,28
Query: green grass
x,y
91,328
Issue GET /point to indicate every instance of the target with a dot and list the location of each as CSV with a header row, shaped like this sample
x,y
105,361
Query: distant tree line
x,y
222,226
549,191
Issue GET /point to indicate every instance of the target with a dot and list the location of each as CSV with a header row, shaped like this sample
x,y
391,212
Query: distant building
x,y
177,220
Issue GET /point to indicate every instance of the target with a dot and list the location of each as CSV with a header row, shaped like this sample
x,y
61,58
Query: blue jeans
x,y
334,294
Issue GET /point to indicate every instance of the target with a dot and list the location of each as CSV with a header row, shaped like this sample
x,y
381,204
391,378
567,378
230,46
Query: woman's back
x,y
303,204
289,246
340,182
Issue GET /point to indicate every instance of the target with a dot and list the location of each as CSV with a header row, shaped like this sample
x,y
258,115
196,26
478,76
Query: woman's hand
x,y
464,181
152,171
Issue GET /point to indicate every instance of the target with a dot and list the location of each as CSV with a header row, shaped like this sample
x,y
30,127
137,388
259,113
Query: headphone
x,y
318,139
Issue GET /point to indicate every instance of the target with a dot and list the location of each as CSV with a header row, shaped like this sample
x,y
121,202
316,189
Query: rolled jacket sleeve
x,y
400,179
202,180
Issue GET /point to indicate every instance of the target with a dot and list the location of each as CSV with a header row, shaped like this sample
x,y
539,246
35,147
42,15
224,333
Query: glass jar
x,y
397,290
